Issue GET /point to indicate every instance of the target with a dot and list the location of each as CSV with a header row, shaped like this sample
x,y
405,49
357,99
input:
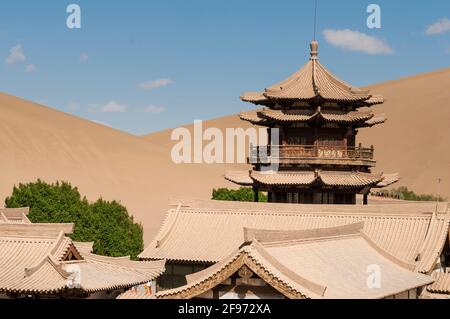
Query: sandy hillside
x,y
415,141
39,142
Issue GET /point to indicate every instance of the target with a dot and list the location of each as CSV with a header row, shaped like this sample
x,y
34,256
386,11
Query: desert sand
x,y
40,142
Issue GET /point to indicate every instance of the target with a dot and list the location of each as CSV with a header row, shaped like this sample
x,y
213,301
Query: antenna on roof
x,y
439,194
315,19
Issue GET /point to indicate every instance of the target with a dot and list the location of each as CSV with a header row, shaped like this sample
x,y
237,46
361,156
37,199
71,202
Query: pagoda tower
x,y
316,153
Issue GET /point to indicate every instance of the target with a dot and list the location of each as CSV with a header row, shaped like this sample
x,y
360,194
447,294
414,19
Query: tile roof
x,y
14,215
335,116
137,292
345,179
321,263
265,116
208,231
327,178
441,284
40,259
313,81
239,177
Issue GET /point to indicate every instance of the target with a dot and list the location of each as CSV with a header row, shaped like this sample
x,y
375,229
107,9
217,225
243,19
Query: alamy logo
x,y
220,149
74,19
374,19
74,279
374,278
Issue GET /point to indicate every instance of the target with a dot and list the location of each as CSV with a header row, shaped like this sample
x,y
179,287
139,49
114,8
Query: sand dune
x,y
39,142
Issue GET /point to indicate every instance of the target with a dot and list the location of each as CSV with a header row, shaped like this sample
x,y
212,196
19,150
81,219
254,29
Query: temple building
x,y
318,158
40,261
216,249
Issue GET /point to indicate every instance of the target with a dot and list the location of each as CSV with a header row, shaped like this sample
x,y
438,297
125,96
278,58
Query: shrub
x,y
243,194
107,224
404,193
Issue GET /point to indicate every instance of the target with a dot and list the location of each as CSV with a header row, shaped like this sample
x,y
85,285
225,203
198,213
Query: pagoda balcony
x,y
312,155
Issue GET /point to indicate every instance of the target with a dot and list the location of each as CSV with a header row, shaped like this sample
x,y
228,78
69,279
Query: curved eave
x,y
329,179
388,179
376,120
350,118
254,118
241,178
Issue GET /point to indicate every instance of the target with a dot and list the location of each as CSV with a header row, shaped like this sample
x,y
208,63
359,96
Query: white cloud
x,y
16,55
30,68
356,41
110,107
155,84
441,26
153,109
84,58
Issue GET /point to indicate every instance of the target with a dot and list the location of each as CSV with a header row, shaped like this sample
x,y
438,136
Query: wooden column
x,y
366,199
255,195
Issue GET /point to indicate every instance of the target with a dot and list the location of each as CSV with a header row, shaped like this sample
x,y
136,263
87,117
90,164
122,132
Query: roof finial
x,y
314,49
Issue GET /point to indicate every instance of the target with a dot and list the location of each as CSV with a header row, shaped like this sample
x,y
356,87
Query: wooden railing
x,y
264,153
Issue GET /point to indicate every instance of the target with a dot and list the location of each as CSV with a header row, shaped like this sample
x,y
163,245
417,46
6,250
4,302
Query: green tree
x,y
107,224
243,194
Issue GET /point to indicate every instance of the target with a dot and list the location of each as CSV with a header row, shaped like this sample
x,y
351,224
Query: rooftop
x,y
39,259
292,262
313,82
209,231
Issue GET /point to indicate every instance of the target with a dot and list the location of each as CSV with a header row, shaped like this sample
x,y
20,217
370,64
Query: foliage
x,y
404,193
107,224
243,194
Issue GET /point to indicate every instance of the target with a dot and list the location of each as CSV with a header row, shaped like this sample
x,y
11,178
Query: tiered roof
x,y
290,100
292,262
313,82
266,117
38,259
209,231
308,178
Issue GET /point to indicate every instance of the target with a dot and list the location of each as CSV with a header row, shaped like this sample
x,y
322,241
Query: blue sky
x,y
142,66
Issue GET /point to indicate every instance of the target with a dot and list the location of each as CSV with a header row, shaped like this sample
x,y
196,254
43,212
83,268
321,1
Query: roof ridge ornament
x,y
314,45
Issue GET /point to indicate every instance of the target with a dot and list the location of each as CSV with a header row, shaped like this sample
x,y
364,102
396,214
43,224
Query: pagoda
x,y
316,153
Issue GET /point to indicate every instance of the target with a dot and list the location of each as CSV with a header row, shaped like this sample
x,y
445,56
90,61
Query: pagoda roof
x,y
209,231
266,116
313,82
293,262
39,259
307,178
